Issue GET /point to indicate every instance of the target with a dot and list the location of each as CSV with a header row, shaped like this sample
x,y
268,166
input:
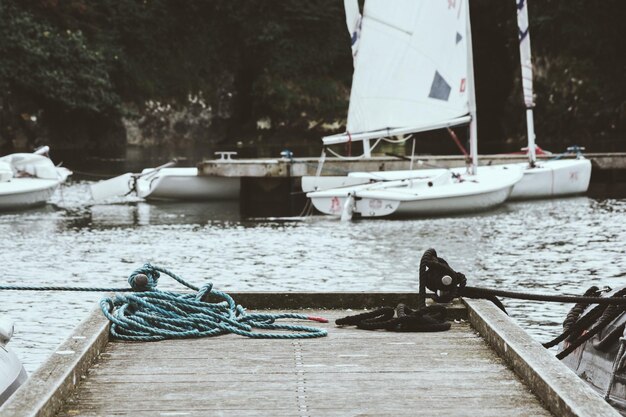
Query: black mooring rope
x,y
436,275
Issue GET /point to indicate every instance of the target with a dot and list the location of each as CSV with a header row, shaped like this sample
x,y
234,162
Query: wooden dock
x,y
298,167
271,187
484,366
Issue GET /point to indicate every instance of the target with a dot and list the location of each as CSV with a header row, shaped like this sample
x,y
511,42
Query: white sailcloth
x,y
524,52
353,21
527,75
412,66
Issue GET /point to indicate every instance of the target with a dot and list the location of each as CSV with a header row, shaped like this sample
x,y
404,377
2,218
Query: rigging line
x,y
419,161
352,158
349,144
412,156
389,25
458,142
399,141
320,163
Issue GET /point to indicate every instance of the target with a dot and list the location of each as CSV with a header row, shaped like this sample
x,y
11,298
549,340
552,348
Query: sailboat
x,y
541,179
413,72
551,178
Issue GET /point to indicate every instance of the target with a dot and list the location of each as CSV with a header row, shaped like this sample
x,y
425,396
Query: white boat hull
x,y
555,178
439,194
186,184
28,179
12,373
21,193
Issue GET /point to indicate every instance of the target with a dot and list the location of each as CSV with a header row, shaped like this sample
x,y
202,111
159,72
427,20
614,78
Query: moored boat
x,y
28,179
598,347
12,372
551,178
436,192
171,183
413,72
542,179
185,184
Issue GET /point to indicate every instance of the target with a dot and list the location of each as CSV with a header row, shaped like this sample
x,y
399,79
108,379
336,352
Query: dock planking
x,y
349,373
298,167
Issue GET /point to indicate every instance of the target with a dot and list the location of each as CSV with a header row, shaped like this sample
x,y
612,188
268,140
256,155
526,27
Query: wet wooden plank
x,y
350,372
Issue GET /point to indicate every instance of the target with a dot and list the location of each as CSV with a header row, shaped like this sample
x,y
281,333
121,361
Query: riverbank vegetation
x,y
100,74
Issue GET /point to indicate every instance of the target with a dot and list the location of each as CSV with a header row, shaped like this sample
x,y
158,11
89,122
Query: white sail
x,y
353,21
524,52
527,74
412,66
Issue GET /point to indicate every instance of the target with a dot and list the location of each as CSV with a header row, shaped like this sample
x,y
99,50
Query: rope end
x,y
317,319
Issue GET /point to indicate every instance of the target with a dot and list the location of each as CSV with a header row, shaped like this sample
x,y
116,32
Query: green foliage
x,y
56,65
580,69
290,60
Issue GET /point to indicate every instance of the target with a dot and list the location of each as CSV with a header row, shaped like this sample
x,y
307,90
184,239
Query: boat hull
x,y
455,205
12,373
557,178
21,193
594,364
440,194
186,184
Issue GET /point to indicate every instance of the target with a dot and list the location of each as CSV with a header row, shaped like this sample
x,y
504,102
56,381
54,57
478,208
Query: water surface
x,y
560,246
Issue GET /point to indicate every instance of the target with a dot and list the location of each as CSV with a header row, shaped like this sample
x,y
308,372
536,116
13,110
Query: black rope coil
x,y
400,319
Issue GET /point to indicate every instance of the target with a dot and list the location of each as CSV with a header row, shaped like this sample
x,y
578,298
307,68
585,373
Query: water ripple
x,y
554,246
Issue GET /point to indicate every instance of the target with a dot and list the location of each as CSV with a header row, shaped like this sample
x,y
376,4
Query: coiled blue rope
x,y
150,315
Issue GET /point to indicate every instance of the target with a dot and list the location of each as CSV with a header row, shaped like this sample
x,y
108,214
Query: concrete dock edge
x,y
561,390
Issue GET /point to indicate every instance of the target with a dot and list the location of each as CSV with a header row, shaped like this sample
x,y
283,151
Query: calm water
x,y
554,246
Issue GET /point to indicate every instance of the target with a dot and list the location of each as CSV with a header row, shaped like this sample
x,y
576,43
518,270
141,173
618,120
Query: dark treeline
x,y
72,71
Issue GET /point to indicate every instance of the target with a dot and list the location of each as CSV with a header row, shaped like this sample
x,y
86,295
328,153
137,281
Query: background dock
x,y
271,187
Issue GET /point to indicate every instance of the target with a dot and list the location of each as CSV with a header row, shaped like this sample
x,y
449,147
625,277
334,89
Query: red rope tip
x,y
318,319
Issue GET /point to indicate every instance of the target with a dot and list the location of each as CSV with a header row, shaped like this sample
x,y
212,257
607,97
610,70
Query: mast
x,y
473,126
527,75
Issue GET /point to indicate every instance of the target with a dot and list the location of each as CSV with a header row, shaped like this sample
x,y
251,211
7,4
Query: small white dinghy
x,y
12,372
185,184
171,183
434,192
28,179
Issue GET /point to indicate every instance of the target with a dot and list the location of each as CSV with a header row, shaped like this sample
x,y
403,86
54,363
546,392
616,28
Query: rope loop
x,y
148,314
204,291
144,278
